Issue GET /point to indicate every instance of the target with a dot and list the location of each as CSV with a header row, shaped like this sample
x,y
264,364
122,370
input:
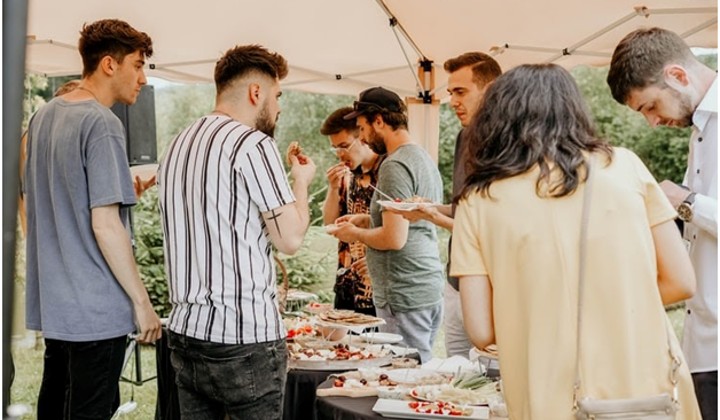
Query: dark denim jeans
x,y
242,381
81,379
707,393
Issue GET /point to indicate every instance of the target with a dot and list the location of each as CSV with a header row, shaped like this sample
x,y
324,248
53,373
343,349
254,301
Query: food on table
x,y
338,352
439,407
299,327
347,317
316,307
447,392
404,362
471,380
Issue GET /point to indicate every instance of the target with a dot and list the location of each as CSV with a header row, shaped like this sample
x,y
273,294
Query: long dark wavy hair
x,y
532,115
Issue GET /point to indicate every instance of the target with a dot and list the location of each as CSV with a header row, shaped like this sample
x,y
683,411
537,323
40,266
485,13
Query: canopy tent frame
x,y
639,11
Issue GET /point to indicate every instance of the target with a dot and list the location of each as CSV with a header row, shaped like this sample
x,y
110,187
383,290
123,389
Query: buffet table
x,y
344,408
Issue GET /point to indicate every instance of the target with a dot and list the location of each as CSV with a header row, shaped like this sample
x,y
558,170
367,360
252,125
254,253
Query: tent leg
x,y
15,14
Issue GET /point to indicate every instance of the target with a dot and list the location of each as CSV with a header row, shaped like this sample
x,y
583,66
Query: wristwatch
x,y
685,209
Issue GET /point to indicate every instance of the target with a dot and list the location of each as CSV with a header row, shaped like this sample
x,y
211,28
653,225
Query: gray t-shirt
x,y
411,278
76,161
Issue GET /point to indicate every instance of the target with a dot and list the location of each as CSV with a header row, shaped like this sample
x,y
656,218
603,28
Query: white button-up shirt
x,y
700,333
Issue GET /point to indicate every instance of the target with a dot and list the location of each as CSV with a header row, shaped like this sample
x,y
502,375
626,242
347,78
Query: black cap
x,y
377,97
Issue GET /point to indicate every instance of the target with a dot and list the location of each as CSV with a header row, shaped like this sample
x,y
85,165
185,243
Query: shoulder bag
x,y
657,407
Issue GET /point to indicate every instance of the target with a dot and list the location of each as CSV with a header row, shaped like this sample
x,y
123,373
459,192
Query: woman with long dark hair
x,y
516,247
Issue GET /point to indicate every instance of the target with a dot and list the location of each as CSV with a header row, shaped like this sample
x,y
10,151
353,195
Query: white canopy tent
x,y
344,46
333,46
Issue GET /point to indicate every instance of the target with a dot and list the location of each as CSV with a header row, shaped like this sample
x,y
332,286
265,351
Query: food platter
x,y
346,318
339,364
402,410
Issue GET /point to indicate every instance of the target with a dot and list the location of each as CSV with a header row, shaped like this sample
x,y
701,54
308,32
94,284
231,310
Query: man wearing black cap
x,y
403,258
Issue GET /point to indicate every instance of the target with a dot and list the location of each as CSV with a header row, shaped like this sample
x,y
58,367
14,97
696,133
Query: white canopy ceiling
x,y
344,46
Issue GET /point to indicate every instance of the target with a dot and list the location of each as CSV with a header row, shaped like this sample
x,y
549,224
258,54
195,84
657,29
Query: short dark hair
x,y
112,37
532,115
396,120
484,68
241,60
640,58
336,122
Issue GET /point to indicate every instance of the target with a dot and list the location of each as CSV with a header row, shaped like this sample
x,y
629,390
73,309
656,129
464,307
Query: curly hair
x,y
112,37
639,59
531,115
241,60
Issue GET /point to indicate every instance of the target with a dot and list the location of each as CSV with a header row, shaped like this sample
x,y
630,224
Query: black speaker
x,y
140,127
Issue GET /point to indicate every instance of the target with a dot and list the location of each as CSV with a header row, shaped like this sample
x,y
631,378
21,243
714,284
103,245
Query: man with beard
x,y
403,258
654,72
225,202
469,76
350,188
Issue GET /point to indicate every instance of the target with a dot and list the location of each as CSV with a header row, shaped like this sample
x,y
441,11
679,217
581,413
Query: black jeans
x,y
81,379
707,393
242,381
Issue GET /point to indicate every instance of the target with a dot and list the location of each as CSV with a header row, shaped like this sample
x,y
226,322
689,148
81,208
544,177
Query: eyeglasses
x,y
345,149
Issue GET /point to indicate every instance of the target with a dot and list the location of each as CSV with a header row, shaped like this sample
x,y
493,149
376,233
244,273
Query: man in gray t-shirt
x,y
83,289
403,258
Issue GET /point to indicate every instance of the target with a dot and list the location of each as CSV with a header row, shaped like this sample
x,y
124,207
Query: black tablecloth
x,y
345,408
300,390
300,393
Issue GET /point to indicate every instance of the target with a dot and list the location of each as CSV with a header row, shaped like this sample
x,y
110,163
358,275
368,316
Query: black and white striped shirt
x,y
217,177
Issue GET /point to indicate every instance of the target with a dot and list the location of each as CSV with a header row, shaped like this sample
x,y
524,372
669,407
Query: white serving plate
x,y
381,338
400,410
339,364
403,206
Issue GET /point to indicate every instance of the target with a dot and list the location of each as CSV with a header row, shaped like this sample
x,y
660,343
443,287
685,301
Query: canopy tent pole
x,y
424,110
699,28
639,11
15,14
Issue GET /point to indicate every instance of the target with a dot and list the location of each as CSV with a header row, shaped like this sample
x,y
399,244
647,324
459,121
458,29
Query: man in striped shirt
x,y
225,202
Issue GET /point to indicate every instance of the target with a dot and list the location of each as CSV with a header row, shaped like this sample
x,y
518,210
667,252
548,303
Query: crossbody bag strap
x,y
675,360
581,272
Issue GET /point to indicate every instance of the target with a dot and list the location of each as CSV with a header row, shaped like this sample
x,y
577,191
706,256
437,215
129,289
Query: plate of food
x,y
348,318
405,205
381,338
427,410
447,392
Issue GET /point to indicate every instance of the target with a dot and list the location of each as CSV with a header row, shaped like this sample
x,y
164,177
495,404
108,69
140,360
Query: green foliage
x,y
312,268
449,128
177,107
149,252
300,120
663,150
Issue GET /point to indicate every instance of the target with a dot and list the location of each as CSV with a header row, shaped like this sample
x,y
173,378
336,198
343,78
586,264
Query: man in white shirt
x,y
654,72
225,202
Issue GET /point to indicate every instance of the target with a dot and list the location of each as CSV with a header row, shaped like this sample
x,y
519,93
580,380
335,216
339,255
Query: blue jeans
x,y
240,381
418,328
80,379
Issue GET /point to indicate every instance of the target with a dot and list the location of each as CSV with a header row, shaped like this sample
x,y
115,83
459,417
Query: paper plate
x,y
403,206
